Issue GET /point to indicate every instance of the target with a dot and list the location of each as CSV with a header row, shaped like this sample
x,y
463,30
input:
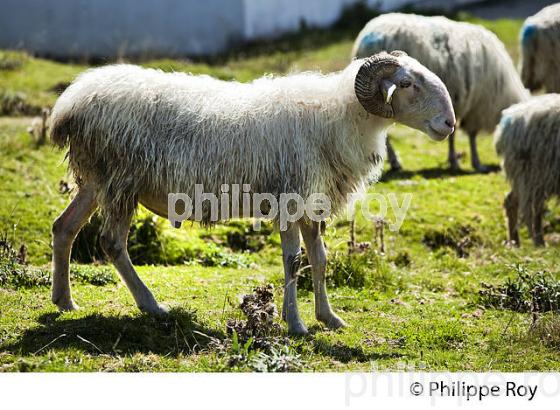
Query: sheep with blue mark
x,y
472,62
528,139
539,45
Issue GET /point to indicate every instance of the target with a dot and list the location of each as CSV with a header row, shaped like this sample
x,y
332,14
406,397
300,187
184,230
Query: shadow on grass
x,y
345,354
176,333
434,173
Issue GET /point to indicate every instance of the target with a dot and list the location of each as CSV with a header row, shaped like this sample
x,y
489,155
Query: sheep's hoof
x,y
396,166
539,243
332,321
156,310
454,166
66,306
297,329
483,169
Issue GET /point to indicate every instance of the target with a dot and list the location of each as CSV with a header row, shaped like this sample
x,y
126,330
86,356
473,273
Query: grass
x,y
417,303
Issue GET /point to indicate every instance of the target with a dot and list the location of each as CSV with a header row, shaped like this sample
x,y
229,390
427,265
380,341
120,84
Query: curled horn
x,y
398,53
367,85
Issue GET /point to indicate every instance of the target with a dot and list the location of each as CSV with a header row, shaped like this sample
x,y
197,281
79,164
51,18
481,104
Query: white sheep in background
x,y
528,139
540,45
136,134
472,62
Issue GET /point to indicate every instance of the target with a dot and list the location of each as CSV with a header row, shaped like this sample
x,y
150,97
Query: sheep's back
x,y
540,42
528,139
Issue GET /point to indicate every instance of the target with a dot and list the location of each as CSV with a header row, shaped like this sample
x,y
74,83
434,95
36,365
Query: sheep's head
x,y
397,86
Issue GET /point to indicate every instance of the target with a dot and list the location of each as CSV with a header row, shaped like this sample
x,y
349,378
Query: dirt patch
x,y
15,103
460,238
60,87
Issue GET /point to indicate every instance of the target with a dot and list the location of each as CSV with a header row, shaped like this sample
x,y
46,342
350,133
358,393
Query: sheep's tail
x,y
62,126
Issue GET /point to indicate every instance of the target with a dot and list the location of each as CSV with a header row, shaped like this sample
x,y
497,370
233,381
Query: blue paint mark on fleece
x,y
371,42
527,32
505,121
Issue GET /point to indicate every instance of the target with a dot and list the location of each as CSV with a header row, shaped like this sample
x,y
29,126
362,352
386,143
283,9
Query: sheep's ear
x,y
388,89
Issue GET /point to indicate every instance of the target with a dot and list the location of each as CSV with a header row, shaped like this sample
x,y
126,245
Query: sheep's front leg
x,y
452,155
393,157
511,205
291,254
64,230
318,260
113,241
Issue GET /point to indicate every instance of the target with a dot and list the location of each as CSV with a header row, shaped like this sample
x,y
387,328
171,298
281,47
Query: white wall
x,y
266,18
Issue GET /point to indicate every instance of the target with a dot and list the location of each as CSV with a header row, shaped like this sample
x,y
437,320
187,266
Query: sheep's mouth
x,y
436,135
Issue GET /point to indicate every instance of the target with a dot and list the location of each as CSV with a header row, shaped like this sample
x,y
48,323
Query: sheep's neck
x,y
357,156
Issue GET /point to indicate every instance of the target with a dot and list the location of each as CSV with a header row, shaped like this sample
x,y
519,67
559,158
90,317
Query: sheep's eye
x,y
405,83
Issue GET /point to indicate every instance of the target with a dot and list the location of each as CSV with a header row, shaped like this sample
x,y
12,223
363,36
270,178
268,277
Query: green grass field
x,y
418,304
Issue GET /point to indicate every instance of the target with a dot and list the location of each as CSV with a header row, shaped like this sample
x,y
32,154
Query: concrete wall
x,y
112,28
76,28
265,18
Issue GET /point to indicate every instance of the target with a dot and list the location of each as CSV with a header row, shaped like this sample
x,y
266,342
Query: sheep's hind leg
x,y
113,241
291,255
511,205
393,157
64,231
475,160
537,228
318,260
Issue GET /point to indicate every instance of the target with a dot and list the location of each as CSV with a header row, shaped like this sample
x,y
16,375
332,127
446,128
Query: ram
x,y
136,135
540,45
471,61
528,139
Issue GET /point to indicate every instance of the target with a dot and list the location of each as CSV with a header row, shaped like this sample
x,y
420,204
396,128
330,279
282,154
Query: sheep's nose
x,y
443,125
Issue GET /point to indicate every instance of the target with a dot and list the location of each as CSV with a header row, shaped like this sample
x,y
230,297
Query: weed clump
x,y
14,272
260,310
460,238
257,343
527,292
276,358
